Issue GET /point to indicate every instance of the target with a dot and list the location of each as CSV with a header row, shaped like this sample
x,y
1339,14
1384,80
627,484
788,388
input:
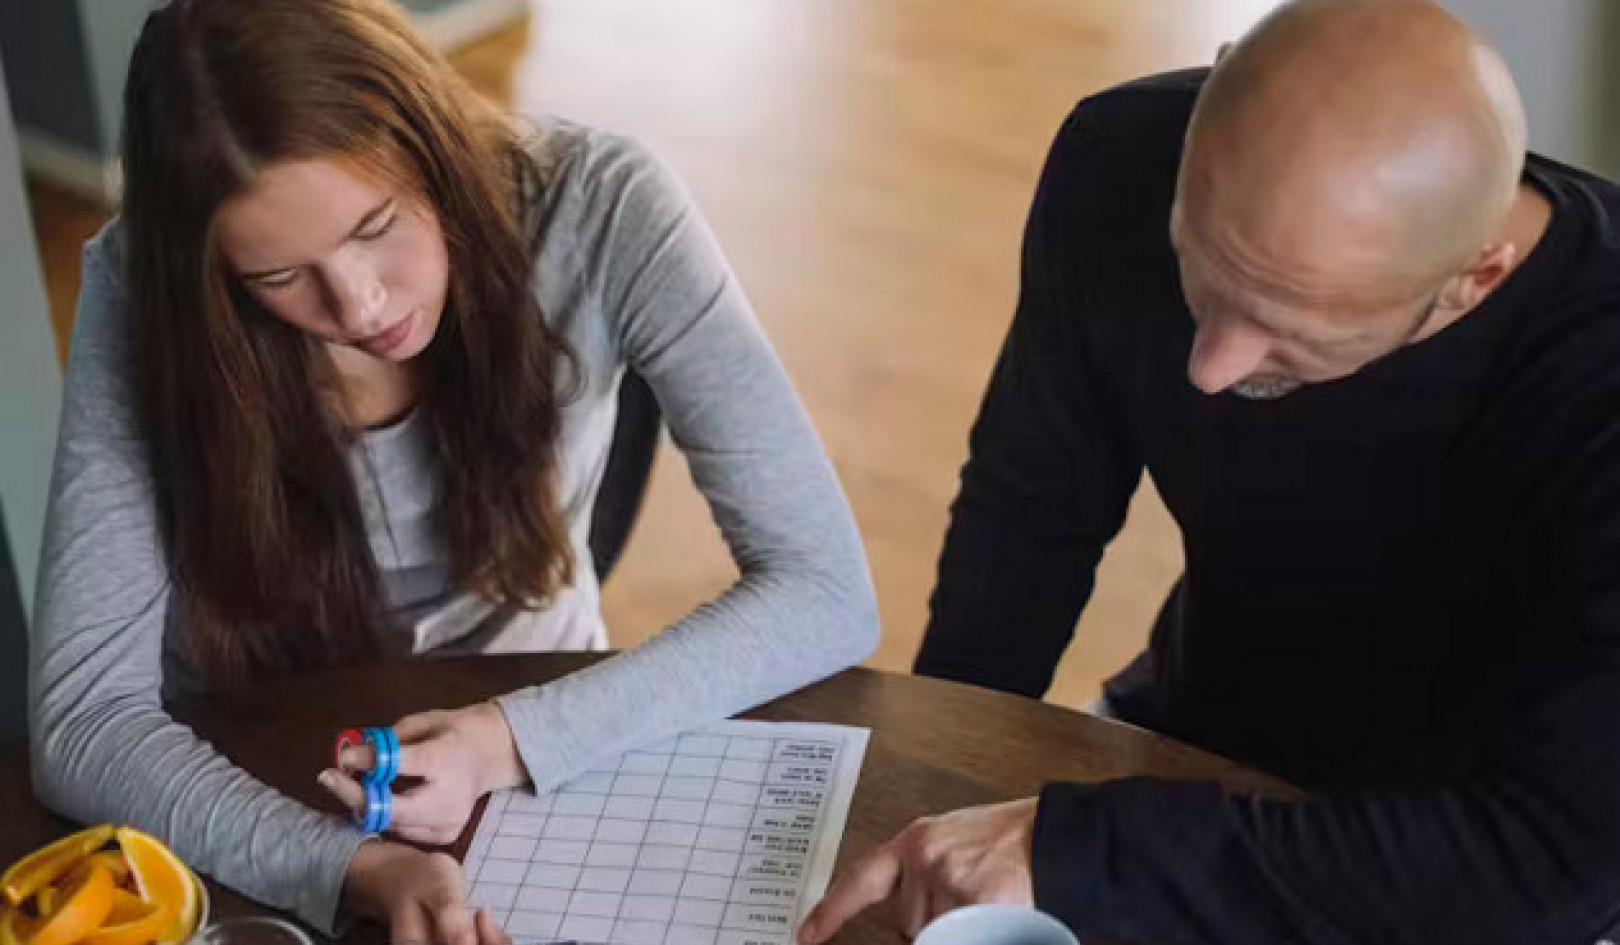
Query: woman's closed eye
x,y
380,231
274,280
281,279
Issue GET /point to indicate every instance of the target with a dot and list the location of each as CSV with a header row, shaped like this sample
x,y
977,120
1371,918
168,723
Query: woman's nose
x,y
358,299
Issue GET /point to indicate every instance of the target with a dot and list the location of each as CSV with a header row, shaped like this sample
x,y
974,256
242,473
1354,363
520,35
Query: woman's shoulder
x,y
102,325
104,254
578,161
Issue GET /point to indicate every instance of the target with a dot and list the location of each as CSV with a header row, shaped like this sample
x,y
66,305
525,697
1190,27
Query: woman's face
x,y
356,262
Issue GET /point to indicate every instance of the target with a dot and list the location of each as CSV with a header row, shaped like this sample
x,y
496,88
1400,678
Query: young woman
x,y
342,385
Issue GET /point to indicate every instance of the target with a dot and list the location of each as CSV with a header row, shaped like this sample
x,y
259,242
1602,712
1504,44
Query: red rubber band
x,y
347,737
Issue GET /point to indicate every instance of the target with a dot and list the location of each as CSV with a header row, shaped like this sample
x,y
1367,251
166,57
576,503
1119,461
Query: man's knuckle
x,y
914,836
932,849
957,877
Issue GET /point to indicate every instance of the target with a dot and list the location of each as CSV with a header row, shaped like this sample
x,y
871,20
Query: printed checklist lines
x,y
720,837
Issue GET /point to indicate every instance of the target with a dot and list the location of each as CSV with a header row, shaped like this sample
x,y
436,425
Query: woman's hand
x,y
459,756
421,897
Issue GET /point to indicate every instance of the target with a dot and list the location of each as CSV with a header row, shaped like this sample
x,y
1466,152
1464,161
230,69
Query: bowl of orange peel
x,y
102,886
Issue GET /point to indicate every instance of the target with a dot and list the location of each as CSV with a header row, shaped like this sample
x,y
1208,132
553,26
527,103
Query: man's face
x,y
1268,325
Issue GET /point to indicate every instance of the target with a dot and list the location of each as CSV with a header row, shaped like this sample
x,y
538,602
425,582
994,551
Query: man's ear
x,y
1483,274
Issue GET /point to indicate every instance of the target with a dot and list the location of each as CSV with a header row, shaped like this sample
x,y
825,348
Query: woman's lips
x,y
390,338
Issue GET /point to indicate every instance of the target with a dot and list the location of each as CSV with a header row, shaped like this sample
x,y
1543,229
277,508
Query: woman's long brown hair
x,y
261,519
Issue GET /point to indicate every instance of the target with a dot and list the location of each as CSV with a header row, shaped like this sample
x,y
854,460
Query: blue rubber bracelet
x,y
379,741
374,742
386,818
386,750
393,751
379,808
362,817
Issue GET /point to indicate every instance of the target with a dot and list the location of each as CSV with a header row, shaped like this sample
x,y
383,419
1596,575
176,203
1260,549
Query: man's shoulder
x,y
1160,86
1148,112
1110,177
1120,151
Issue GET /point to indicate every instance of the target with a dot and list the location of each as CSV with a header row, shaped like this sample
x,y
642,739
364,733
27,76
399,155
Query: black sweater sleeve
x,y
1524,851
1049,475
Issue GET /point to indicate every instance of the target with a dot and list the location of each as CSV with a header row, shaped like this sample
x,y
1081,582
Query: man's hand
x,y
970,856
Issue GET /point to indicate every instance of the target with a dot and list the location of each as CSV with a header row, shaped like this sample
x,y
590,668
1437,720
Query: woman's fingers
x,y
417,760
453,923
488,932
409,926
357,758
417,737
423,814
416,727
429,814
411,815
347,790
413,761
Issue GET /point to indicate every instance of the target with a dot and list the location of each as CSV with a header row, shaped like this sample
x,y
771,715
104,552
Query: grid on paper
x,y
704,840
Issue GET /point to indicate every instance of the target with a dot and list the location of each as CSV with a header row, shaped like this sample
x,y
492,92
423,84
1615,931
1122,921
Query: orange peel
x,y
133,921
162,880
48,864
77,891
82,909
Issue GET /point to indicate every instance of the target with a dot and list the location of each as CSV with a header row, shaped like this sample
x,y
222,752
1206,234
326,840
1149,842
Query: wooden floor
x,y
866,164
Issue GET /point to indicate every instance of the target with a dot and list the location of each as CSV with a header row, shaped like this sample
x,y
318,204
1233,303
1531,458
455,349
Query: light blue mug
x,y
996,925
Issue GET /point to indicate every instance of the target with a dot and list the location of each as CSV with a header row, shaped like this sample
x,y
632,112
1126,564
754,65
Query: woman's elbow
x,y
51,772
854,615
868,624
70,755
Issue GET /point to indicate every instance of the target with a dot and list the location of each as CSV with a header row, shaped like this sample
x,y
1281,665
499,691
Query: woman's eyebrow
x,y
364,225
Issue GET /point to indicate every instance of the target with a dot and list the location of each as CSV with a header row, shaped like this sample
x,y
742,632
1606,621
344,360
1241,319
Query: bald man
x,y
1370,355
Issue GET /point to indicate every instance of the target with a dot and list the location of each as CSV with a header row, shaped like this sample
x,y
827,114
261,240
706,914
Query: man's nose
x,y
1223,353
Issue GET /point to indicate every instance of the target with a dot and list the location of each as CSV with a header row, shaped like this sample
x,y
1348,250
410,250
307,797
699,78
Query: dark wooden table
x,y
935,746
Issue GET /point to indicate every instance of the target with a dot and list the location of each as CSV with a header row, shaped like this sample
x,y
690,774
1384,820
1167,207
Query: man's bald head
x,y
1390,115
1350,153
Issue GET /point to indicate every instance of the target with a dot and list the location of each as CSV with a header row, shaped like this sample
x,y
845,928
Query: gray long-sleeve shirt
x,y
630,275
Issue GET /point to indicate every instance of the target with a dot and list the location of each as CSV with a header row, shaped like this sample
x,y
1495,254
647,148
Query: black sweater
x,y
1402,588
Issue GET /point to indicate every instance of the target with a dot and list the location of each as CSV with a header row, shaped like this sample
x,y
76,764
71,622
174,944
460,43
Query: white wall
x,y
1565,55
30,382
110,30
1560,52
